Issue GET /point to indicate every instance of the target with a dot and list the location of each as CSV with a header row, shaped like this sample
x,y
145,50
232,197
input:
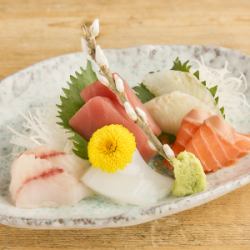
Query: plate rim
x,y
40,62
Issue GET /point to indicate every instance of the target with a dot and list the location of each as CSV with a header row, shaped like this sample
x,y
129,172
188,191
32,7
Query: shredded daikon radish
x,y
40,128
231,91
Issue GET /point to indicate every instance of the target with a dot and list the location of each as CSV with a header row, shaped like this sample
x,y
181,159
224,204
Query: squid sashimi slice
x,y
189,125
217,144
98,89
137,184
100,111
38,175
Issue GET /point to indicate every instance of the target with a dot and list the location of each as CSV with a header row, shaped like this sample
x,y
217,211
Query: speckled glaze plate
x,y
40,85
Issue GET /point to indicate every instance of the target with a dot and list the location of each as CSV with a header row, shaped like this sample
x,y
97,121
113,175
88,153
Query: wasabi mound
x,y
189,175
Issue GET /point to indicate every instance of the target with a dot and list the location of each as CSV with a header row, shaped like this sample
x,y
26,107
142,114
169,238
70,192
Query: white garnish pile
x,y
40,128
231,89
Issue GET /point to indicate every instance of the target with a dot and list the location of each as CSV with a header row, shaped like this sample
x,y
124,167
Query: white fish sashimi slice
x,y
26,167
71,164
168,110
37,168
137,184
57,190
68,161
167,81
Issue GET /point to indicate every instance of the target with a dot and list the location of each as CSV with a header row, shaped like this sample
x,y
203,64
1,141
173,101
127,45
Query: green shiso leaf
x,y
80,146
179,66
143,93
216,100
204,83
185,67
197,74
71,102
222,110
213,90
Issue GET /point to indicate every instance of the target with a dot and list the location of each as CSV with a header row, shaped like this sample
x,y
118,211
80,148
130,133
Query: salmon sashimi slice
x,y
100,111
239,143
98,89
200,147
243,142
228,136
190,124
207,147
217,144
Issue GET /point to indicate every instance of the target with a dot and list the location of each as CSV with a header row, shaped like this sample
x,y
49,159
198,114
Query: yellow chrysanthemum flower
x,y
111,148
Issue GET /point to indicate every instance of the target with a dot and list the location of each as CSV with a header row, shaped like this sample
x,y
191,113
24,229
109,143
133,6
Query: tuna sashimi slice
x,y
100,111
98,89
190,124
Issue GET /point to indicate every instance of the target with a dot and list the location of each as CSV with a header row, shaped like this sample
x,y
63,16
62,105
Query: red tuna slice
x,y
100,111
98,89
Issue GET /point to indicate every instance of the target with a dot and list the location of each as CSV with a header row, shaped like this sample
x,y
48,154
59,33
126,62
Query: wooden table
x,y
31,31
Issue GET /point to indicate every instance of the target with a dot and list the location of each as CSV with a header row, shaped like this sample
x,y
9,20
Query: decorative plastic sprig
x,y
116,84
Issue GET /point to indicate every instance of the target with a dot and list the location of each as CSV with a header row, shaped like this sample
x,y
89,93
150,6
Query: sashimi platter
x,y
118,137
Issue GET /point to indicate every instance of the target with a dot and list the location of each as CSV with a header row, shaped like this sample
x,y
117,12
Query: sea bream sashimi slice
x,y
98,89
217,144
47,178
53,190
167,81
189,125
168,110
100,111
136,184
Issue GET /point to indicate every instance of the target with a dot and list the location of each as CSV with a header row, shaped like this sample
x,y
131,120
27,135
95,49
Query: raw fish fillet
x,y
168,110
212,140
167,81
137,184
47,178
100,111
189,125
98,89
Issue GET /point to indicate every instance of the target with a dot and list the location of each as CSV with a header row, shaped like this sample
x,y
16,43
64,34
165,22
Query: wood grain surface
x,y
31,31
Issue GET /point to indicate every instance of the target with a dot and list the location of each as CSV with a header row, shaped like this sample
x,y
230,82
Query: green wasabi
x,y
189,175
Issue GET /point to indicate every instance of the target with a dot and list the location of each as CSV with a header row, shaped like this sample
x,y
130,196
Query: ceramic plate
x,y
40,84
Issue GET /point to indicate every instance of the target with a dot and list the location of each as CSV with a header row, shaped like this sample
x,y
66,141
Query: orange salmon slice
x,y
211,139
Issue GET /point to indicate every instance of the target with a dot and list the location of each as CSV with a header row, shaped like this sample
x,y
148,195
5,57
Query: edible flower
x,y
189,175
111,148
